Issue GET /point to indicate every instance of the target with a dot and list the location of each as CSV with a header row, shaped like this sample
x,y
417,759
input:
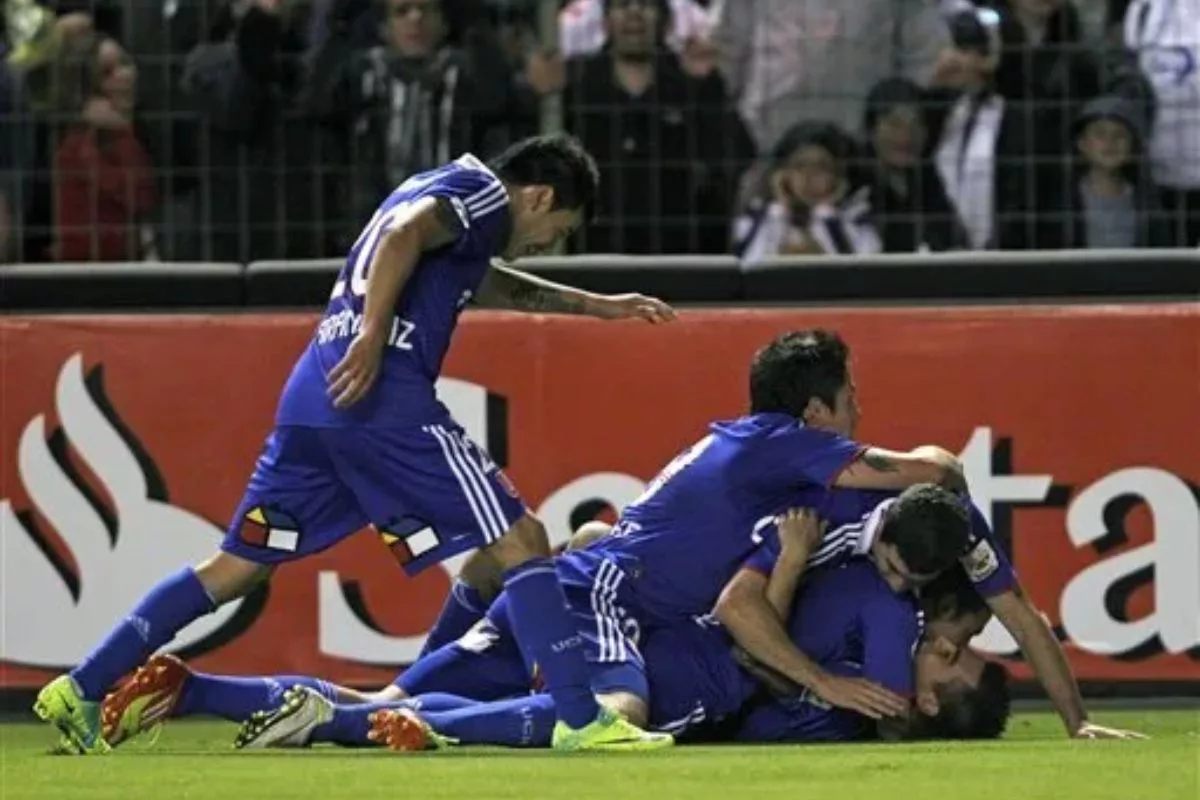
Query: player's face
x,y
959,630
940,664
537,226
894,571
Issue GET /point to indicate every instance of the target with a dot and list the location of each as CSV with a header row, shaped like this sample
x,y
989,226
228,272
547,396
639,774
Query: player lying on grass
x,y
926,526
360,437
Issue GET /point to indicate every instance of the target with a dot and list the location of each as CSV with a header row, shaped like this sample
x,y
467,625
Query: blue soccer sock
x,y
546,633
351,723
464,607
235,699
171,605
521,722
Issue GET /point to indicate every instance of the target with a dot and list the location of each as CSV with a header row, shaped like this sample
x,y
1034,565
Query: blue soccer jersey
x,y
854,517
684,538
848,621
426,312
395,459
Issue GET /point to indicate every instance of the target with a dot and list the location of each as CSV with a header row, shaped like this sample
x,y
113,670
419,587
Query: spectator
x,y
582,31
809,201
669,146
261,182
15,153
984,151
1166,40
103,184
399,108
1113,201
792,60
908,200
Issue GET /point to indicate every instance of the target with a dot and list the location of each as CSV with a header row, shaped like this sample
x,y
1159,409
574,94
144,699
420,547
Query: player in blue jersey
x,y
688,533
361,438
748,594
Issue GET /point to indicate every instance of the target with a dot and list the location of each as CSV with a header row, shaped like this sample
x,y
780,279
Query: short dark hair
x,y
555,160
951,595
981,712
929,526
796,367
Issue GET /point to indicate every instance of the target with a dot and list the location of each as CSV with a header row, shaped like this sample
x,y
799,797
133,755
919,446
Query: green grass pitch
x,y
1035,760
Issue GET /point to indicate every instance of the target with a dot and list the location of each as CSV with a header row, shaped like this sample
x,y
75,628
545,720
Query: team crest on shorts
x,y
270,528
409,546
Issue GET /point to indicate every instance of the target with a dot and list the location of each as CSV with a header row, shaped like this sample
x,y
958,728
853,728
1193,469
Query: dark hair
x,y
555,160
795,368
973,713
929,526
951,595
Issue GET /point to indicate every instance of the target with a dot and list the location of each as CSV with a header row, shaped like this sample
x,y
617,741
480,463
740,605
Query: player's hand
x,y
800,533
355,374
631,306
861,696
1089,731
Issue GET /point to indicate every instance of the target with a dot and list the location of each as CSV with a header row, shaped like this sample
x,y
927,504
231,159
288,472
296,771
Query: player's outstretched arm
x,y
1046,657
880,469
510,288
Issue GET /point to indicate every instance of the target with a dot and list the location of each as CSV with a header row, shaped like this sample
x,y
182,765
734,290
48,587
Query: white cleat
x,y
290,725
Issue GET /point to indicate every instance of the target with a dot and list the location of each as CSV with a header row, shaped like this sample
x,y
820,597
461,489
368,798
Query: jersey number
x,y
363,250
674,468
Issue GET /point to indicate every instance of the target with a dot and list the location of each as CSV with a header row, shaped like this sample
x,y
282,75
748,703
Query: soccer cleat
x,y
145,700
403,730
290,725
78,720
609,731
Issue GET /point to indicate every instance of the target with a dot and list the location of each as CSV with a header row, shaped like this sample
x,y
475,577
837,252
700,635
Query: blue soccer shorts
x,y
429,491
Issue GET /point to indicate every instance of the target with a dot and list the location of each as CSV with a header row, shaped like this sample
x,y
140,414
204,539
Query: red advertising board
x,y
125,441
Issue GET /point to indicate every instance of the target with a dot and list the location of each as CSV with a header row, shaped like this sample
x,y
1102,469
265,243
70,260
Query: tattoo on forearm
x,y
529,296
879,462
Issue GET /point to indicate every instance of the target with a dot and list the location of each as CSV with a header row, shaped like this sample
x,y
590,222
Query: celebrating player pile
x,y
361,438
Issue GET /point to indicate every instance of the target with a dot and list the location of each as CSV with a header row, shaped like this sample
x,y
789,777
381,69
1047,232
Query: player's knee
x,y
631,707
226,577
388,694
524,541
483,573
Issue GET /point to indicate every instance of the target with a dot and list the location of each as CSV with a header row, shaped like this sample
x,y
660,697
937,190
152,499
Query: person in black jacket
x,y
908,201
261,193
669,146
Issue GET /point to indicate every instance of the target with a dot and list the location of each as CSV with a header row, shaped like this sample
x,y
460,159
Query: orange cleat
x,y
403,730
145,700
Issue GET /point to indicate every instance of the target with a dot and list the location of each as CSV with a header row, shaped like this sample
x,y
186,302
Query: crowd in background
x,y
235,130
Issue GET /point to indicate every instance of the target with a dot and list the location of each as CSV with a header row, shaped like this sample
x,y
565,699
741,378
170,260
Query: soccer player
x,y
748,595
675,547
360,436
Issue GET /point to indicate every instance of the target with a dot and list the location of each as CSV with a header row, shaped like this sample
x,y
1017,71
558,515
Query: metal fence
x,y
269,129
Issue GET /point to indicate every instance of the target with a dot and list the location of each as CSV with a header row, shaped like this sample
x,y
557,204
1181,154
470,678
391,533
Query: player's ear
x,y
541,199
927,702
816,413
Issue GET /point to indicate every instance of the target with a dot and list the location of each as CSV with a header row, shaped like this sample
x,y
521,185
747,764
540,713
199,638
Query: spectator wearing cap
x,y
908,200
669,146
810,200
1113,202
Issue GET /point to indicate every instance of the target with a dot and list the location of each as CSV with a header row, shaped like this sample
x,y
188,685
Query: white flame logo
x,y
45,621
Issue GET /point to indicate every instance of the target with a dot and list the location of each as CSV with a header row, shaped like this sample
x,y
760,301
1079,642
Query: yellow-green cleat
x,y
78,720
608,732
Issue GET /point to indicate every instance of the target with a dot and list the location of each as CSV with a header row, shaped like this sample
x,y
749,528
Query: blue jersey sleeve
x,y
985,562
891,630
818,457
479,203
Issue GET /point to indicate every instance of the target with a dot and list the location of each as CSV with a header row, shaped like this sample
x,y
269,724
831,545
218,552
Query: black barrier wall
x,y
1087,275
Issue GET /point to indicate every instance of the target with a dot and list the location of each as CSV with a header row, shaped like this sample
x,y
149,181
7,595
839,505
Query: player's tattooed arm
x,y
876,468
508,288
